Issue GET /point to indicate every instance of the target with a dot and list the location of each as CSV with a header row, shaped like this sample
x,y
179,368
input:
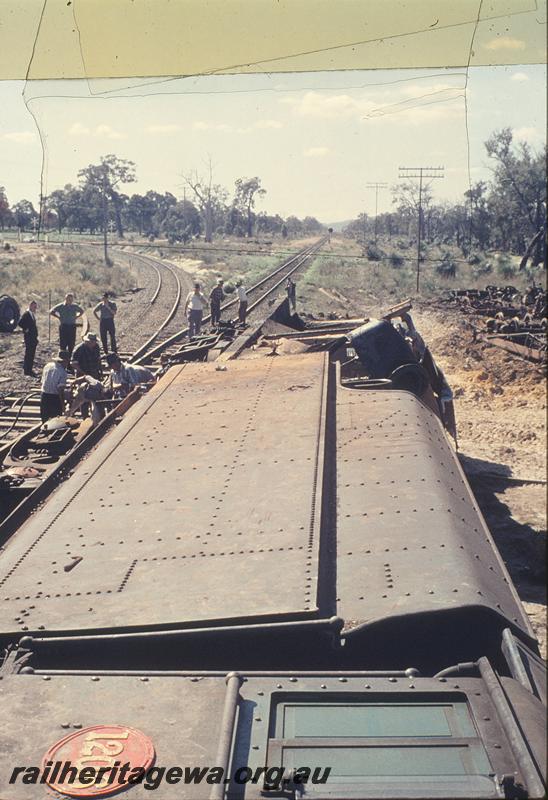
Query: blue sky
x,y
315,139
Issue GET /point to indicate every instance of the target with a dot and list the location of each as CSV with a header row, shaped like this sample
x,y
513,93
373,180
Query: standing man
x,y
67,313
215,299
30,334
291,289
54,381
242,302
194,309
86,358
105,312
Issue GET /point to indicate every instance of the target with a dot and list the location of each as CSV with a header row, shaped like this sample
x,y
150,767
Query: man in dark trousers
x,y
54,381
30,333
105,312
215,299
67,313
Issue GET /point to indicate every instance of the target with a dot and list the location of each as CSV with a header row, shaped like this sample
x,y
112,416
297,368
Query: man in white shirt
x,y
242,302
54,381
194,309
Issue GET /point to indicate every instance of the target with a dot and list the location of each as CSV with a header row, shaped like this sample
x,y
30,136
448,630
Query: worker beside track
x,y
54,381
86,358
67,313
242,302
125,377
105,312
215,299
87,390
30,333
194,309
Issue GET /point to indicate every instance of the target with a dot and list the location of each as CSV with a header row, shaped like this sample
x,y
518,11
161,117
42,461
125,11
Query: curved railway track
x,y
19,413
161,309
258,293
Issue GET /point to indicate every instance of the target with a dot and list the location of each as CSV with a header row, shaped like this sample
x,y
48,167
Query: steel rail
x,y
144,347
159,287
299,258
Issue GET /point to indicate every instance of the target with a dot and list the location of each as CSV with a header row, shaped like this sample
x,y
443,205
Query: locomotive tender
x,y
266,568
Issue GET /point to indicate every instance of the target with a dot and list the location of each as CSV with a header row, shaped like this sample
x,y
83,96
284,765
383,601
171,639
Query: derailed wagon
x,y
269,568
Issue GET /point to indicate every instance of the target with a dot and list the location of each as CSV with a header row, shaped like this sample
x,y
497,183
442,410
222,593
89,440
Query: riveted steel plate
x,y
182,717
202,505
409,534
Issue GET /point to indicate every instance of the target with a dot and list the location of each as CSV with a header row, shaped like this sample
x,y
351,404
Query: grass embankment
x,y
231,259
345,278
33,271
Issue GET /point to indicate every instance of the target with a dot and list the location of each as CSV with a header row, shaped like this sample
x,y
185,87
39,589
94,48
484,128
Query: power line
x,y
376,186
420,173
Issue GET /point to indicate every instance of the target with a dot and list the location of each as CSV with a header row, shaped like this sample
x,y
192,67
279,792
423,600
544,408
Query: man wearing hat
x,y
54,381
215,299
86,358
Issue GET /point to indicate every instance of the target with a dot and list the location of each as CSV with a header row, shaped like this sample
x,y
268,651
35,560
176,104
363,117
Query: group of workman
x,y
197,303
82,362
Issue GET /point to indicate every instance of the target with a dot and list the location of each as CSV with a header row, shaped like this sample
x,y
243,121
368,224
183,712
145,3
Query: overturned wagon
x,y
270,566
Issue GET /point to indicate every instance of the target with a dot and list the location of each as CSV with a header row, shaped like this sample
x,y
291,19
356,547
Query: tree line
x,y
507,213
99,204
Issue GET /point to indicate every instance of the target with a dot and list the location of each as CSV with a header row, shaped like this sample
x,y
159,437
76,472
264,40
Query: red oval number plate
x,y
99,746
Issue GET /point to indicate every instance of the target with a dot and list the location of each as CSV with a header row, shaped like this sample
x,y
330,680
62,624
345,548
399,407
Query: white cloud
x,y
410,104
264,124
77,129
109,133
163,128
316,152
209,126
505,43
19,136
527,134
519,76
313,104
101,131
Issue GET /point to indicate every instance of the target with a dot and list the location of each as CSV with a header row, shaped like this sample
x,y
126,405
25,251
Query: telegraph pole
x,y
420,173
376,186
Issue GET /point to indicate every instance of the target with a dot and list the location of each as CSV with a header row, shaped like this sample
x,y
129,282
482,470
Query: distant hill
x,y
338,226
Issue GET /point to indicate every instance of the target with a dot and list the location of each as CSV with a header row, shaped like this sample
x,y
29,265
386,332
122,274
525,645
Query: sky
x,y
314,139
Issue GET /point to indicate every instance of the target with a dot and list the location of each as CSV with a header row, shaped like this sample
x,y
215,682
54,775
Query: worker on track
x,y
87,390
86,358
105,311
195,305
125,377
54,381
215,299
30,334
242,302
67,313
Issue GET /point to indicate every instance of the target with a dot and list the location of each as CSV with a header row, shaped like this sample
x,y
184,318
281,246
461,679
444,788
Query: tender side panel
x,y
410,536
202,505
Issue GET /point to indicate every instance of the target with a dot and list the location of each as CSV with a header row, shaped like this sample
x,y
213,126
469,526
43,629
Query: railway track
x,y
162,310
258,294
20,410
